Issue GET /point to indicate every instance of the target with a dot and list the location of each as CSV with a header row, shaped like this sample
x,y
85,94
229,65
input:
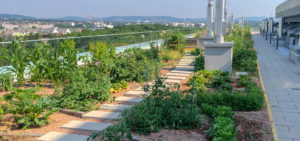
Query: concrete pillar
x,y
210,18
270,25
280,28
232,21
219,20
210,25
218,55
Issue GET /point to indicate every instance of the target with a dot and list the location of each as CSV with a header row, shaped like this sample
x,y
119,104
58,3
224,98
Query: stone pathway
x,y
110,112
281,78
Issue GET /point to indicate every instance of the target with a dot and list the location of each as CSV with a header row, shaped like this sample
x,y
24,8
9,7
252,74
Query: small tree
x,y
176,41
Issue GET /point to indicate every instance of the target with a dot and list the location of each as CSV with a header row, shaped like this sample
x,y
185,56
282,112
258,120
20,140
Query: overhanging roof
x,y
288,8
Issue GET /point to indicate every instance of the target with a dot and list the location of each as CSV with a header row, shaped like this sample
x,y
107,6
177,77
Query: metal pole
x,y
277,42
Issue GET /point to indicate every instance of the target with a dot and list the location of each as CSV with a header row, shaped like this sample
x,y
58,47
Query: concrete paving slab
x,y
57,136
172,81
241,73
279,75
177,71
177,74
114,107
128,100
102,115
184,69
176,77
180,66
135,93
86,126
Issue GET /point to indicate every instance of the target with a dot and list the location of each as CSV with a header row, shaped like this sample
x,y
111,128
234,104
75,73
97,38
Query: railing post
x,y
277,42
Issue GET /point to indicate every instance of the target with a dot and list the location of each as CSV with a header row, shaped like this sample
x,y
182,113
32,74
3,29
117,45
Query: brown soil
x,y
253,126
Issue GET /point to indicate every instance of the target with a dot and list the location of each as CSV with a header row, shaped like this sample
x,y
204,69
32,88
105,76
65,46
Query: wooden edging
x,y
274,130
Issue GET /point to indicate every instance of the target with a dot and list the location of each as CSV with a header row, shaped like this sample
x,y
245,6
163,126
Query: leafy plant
x,y
176,41
244,80
119,86
37,64
18,60
223,129
250,100
196,52
163,109
221,81
6,81
113,133
244,55
86,87
29,109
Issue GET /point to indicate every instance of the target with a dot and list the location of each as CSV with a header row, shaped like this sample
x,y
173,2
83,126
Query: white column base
x,y
218,56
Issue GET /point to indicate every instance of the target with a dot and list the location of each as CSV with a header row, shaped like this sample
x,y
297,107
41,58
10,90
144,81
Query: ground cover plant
x,y
29,109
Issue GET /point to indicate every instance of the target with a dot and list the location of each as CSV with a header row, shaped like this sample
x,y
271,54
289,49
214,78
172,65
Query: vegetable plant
x,y
29,109
6,81
18,60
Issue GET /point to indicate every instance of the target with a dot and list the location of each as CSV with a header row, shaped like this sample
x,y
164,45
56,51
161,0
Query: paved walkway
x,y
282,82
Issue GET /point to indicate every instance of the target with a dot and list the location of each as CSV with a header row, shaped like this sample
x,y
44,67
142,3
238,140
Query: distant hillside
x,y
254,18
69,18
15,17
159,19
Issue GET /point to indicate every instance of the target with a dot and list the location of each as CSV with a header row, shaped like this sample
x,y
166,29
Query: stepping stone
x,y
241,73
187,60
186,63
140,89
57,136
128,100
181,66
177,74
135,93
184,69
102,115
185,72
172,81
114,107
86,126
176,77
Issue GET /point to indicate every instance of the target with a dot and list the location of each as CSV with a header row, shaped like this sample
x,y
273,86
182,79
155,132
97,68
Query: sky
x,y
107,8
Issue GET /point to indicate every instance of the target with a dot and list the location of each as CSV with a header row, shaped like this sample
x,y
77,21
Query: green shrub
x,y
244,81
131,66
244,56
223,111
223,129
163,109
86,87
221,81
250,100
6,81
196,52
29,109
200,62
113,133
176,41
202,78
